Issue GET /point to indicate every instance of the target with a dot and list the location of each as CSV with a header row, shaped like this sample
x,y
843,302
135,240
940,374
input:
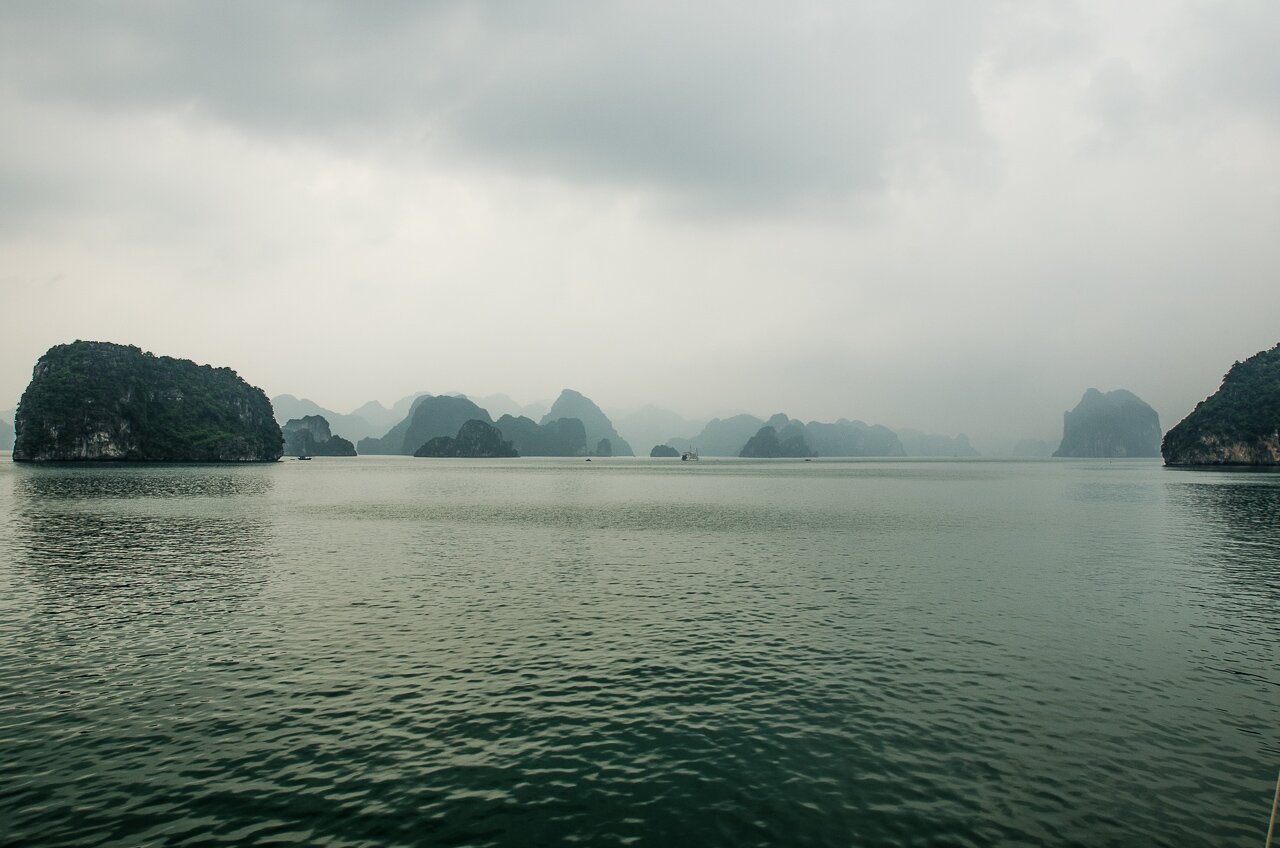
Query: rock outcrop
x,y
476,439
429,417
768,443
289,408
663,451
103,401
723,436
562,437
1237,425
310,436
572,404
1115,425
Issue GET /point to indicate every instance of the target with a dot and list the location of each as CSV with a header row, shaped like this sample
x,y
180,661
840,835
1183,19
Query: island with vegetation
x,y
1239,424
1114,425
476,439
310,436
93,401
663,451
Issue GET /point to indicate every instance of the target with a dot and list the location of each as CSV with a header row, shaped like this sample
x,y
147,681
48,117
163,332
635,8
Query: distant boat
x,y
691,455
307,458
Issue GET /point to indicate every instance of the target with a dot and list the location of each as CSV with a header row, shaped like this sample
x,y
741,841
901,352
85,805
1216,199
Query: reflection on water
x,y
138,538
84,482
1234,519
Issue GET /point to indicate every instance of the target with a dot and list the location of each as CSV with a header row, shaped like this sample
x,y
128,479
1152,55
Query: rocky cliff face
x,y
1237,425
1113,425
310,436
102,401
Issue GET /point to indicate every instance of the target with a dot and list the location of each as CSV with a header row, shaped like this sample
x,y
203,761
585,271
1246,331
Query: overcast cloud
x,y
949,216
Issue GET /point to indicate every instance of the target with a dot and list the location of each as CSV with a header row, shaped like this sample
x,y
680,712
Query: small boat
x,y
304,458
691,455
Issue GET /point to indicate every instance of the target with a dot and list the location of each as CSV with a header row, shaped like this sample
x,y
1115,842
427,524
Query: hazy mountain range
x,y
379,429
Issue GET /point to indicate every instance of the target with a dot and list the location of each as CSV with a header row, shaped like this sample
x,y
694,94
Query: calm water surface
x,y
387,651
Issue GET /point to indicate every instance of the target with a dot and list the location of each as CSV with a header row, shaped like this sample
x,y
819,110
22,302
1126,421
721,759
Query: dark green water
x,y
384,651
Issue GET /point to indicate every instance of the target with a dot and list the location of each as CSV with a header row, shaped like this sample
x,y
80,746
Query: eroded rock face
x,y
1237,425
1114,425
97,401
310,436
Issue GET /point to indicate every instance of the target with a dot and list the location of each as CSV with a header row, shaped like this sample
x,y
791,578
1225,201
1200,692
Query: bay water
x,y
397,651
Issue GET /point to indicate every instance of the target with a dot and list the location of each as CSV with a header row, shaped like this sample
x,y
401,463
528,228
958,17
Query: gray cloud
x,y
941,215
746,100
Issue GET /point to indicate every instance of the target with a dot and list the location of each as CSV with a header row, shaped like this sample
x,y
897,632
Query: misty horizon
x,y
952,218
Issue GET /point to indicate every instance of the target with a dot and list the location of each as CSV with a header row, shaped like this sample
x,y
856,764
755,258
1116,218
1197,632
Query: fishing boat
x,y
691,455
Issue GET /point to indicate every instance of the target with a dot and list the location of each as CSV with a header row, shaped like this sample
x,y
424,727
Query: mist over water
x,y
398,651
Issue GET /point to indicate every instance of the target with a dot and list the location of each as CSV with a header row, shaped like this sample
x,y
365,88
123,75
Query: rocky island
x,y
476,439
102,401
428,417
1113,425
1237,425
663,451
561,437
310,436
598,427
769,443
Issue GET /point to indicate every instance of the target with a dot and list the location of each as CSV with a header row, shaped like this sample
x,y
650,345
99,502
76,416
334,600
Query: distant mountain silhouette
x,y
652,425
573,404
430,416
355,426
562,437
476,439
1117,424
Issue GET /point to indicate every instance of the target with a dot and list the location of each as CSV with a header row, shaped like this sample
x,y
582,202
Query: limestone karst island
x,y
98,401
102,401
1237,425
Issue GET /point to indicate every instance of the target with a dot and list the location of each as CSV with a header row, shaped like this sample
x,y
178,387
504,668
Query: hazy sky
x,y
951,216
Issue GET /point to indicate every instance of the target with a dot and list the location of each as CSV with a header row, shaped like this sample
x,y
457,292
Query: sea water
x,y
397,651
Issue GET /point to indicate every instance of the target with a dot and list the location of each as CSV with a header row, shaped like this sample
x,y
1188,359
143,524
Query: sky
x,y
954,217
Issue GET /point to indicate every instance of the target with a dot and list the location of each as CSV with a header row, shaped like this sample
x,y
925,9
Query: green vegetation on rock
x,y
663,451
1237,425
103,401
